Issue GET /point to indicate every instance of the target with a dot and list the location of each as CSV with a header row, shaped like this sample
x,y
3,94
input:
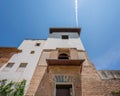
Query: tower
x,y
60,63
60,67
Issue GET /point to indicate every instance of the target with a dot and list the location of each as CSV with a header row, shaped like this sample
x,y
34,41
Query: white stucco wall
x,y
24,57
54,41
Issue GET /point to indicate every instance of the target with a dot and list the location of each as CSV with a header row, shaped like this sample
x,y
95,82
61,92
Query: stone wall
x,y
47,85
86,81
94,85
38,75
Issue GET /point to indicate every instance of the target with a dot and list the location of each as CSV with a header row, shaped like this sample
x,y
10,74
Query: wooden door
x,y
63,90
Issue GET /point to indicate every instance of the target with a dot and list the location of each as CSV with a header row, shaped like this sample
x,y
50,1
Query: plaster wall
x,y
17,74
55,41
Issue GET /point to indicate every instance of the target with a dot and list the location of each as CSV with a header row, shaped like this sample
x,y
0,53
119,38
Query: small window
x,y
65,37
37,44
23,65
63,56
32,52
9,65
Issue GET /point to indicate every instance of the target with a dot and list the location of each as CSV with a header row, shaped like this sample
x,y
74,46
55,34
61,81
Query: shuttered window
x,y
10,65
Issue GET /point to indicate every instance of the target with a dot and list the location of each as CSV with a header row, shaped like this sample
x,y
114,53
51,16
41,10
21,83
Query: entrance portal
x,y
63,90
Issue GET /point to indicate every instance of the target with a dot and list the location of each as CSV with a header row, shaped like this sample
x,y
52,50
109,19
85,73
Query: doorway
x,y
63,90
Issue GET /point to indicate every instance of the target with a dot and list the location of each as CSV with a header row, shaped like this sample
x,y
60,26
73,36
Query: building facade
x,y
59,66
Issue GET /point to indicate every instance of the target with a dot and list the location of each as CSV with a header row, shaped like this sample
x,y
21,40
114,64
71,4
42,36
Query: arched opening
x,y
63,56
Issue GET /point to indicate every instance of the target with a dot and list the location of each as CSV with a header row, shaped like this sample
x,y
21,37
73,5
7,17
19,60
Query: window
x,y
65,37
32,52
37,44
9,65
63,56
63,53
23,65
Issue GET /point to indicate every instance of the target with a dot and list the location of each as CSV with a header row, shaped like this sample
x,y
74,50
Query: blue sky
x,y
99,20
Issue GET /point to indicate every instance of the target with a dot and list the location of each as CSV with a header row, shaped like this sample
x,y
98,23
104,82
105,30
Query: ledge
x,y
58,62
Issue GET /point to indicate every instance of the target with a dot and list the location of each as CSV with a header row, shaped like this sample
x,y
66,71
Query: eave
x,y
78,30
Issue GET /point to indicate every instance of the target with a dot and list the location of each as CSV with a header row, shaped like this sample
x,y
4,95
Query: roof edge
x,y
78,30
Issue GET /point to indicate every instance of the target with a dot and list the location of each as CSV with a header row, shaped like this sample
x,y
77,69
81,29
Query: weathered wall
x,y
15,73
6,53
38,76
86,81
47,85
43,84
93,85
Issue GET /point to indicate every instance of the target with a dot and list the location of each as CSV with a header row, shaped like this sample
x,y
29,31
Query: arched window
x,y
63,56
